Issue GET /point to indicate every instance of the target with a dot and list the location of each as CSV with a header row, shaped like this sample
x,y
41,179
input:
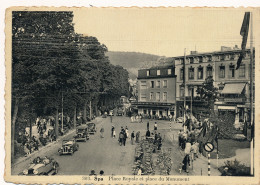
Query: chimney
x,y
193,52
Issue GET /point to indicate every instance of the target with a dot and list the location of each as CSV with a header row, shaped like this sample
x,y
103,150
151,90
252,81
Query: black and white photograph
x,y
131,95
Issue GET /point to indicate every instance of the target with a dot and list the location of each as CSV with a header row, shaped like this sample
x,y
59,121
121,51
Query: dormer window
x,y
200,59
158,72
169,71
191,60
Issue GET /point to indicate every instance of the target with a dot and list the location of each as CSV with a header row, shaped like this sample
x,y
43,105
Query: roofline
x,y
211,53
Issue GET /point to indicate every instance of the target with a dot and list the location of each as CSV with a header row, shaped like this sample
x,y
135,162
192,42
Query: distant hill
x,y
132,61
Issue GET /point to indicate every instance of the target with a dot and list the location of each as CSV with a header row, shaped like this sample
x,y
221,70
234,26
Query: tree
x,y
208,93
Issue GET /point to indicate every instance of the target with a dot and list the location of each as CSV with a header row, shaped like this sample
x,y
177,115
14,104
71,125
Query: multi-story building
x,y
161,89
233,84
156,91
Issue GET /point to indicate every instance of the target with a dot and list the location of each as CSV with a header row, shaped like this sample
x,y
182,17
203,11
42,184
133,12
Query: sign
x,y
208,147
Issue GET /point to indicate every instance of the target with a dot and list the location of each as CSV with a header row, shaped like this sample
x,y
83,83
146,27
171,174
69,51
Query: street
x,y
105,153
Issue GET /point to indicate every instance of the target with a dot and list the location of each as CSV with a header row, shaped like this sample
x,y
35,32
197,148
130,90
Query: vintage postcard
x,y
132,95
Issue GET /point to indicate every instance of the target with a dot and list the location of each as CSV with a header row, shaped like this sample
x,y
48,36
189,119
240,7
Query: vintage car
x,y
82,133
91,128
119,112
68,147
111,113
42,166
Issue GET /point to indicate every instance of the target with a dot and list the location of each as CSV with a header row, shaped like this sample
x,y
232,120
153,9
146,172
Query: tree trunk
x,y
75,117
85,111
57,123
16,107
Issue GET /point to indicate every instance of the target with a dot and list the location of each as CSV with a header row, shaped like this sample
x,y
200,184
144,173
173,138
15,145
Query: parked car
x,y
179,120
111,113
42,166
119,112
91,128
82,133
68,147
104,116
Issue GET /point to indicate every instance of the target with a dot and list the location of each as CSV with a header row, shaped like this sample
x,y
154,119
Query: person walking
x,y
141,118
132,137
137,137
126,132
112,130
121,138
111,118
114,133
148,134
155,126
147,125
124,138
102,132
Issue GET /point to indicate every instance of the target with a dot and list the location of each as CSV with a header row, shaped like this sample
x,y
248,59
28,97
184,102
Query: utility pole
x,y
251,95
184,84
61,110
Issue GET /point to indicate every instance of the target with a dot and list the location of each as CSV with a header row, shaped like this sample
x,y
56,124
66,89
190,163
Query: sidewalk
x,y
52,144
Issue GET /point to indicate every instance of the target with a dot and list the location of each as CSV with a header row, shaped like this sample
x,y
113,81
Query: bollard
x,y
208,164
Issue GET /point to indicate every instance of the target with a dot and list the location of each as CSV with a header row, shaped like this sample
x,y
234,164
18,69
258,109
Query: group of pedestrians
x,y
137,118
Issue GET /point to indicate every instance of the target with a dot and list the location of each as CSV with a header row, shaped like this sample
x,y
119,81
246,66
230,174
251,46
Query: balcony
x,y
237,100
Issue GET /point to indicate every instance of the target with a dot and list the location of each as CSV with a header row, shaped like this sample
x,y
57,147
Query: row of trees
x,y
54,67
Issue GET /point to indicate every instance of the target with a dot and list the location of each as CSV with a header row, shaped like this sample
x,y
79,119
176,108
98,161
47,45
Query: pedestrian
x,y
155,126
111,118
137,137
148,125
132,137
147,134
186,163
187,149
112,130
114,133
102,132
126,131
141,118
121,138
124,138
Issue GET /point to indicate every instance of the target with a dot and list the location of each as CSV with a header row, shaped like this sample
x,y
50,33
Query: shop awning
x,y
227,107
235,88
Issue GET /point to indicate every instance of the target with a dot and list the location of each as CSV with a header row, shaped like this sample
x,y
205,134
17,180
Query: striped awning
x,y
235,88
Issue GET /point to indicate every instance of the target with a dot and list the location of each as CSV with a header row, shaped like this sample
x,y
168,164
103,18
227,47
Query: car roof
x,y
82,127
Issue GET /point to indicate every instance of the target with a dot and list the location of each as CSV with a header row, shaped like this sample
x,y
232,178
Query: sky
x,y
161,31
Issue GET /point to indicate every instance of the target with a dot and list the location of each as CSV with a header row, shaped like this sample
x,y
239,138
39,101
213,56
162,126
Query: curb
x,y
23,159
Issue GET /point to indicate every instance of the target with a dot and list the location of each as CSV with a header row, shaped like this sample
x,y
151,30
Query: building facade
x,y
156,91
233,85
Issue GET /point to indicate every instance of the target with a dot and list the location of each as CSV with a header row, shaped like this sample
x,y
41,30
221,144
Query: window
x,y
221,71
181,74
143,97
191,60
200,72
151,95
222,57
209,71
158,72
148,73
169,71
210,58
181,91
165,96
200,59
242,70
143,85
232,71
158,96
191,91
165,83
158,84
191,73
152,84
